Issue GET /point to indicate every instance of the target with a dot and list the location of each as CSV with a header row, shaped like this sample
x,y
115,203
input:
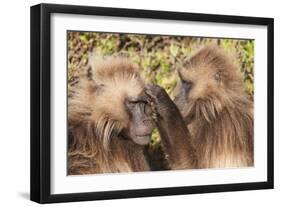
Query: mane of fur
x,y
96,116
222,117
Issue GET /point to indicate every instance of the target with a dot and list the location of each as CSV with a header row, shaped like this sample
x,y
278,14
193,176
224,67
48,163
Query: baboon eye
x,y
132,104
217,76
147,109
136,102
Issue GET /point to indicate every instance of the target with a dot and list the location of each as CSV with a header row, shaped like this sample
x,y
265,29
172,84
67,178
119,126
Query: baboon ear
x,y
180,72
186,63
88,81
88,70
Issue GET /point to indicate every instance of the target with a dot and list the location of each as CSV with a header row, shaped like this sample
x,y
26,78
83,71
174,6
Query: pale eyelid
x,y
217,76
137,100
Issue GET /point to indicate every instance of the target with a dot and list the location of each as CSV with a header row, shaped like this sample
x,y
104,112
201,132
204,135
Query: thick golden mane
x,y
218,110
208,96
100,94
97,115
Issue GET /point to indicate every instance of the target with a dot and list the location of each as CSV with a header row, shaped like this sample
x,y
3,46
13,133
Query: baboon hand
x,y
155,91
158,99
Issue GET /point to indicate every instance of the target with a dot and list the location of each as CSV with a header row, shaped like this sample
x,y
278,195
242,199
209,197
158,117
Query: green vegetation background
x,y
158,57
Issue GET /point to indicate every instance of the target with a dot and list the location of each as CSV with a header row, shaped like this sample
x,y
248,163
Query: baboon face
x,y
120,104
140,124
129,112
209,81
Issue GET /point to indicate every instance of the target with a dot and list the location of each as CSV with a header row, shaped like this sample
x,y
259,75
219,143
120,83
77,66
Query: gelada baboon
x,y
216,109
109,119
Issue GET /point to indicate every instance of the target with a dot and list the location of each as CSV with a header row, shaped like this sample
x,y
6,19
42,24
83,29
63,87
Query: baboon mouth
x,y
142,139
143,136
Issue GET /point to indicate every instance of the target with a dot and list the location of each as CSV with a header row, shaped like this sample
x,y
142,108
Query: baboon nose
x,y
147,109
187,85
147,122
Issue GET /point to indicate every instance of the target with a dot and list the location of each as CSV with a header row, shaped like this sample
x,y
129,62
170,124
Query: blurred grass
x,y
158,57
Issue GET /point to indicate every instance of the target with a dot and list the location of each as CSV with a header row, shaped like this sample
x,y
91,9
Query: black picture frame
x,y
41,99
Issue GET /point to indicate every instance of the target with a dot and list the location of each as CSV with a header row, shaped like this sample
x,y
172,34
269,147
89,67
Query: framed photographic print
x,y
133,103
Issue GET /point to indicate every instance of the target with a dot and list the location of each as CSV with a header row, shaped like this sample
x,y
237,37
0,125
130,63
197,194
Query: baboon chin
x,y
216,108
109,119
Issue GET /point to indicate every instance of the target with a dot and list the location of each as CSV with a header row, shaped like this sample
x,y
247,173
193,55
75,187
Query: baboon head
x,y
111,100
209,82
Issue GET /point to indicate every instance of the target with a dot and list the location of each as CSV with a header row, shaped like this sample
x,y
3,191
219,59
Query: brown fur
x,y
96,116
219,112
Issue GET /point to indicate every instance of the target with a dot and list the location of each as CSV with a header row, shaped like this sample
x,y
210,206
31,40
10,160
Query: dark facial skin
x,y
182,97
141,123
